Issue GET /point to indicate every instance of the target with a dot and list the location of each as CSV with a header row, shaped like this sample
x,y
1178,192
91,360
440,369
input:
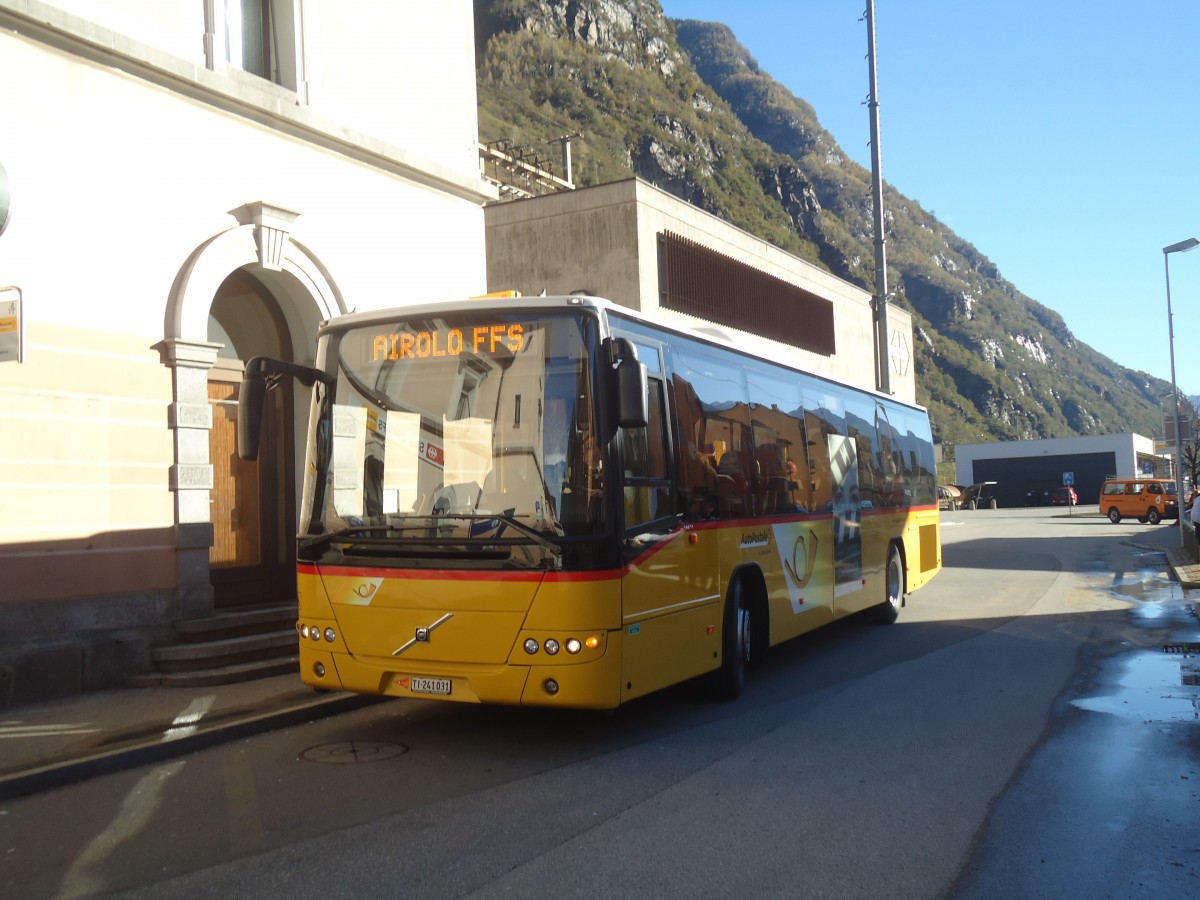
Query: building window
x,y
260,37
701,282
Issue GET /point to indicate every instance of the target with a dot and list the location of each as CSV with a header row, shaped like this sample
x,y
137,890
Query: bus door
x,y
670,598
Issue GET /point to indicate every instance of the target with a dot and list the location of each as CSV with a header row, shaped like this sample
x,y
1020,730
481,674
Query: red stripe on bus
x,y
453,574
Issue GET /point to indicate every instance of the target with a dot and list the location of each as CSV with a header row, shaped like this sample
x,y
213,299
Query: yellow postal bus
x,y
554,502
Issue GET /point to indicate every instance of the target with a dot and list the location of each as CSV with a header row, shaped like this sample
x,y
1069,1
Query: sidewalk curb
x,y
59,774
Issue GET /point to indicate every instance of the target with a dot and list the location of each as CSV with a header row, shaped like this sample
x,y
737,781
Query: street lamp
x,y
1181,247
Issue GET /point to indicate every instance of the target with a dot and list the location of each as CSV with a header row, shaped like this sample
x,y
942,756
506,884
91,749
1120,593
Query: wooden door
x,y
252,560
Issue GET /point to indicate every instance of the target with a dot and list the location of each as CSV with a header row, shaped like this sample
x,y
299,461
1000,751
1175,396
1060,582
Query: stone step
x,y
236,622
228,674
225,651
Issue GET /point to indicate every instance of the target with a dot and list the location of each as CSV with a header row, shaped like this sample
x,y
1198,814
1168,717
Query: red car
x,y
1064,496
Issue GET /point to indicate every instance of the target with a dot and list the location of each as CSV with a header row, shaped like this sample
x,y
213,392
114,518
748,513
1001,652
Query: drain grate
x,y
349,752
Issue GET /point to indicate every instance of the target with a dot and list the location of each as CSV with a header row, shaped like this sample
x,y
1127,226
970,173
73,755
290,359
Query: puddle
x,y
1149,585
1149,688
1152,685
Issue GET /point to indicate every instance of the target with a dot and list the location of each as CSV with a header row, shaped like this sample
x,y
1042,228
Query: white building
x,y
1026,472
194,182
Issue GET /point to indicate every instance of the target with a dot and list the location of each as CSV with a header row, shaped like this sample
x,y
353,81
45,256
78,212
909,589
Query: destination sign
x,y
482,340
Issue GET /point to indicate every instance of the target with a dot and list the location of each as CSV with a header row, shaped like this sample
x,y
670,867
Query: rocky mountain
x,y
683,105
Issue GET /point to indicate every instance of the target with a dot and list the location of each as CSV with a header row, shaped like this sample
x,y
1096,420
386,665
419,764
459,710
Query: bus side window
x,y
820,465
647,487
735,460
697,469
718,381
780,444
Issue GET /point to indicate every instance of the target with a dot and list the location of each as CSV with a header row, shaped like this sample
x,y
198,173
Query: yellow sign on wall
x,y
12,344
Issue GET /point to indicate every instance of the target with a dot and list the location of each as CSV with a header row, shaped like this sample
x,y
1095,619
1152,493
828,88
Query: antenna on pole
x,y
882,362
565,143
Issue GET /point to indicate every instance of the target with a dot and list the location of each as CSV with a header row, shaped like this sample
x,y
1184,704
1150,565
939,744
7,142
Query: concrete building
x,y
646,249
1026,472
194,182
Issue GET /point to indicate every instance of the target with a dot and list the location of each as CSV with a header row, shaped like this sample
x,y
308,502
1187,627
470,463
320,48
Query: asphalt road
x,y
1019,733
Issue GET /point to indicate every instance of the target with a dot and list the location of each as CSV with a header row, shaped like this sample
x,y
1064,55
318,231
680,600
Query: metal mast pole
x,y
1181,247
882,363
1175,392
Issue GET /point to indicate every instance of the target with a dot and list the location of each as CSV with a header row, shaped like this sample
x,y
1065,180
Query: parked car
x,y
1064,496
1148,499
979,495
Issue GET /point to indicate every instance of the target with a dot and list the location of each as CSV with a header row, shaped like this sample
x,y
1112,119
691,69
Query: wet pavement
x,y
1108,804
1161,684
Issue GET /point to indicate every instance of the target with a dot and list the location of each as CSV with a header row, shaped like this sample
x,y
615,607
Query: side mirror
x,y
250,412
262,373
633,408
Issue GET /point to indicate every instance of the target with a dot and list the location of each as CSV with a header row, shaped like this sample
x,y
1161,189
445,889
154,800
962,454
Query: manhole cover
x,y
345,752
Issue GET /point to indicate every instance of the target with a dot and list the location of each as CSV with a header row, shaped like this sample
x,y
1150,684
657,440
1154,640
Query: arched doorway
x,y
250,290
252,558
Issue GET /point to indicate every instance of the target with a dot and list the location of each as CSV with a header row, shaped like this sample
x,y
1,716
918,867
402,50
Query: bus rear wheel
x,y
888,611
735,643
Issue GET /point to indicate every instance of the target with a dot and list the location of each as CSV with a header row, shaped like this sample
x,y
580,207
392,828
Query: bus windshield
x,y
462,437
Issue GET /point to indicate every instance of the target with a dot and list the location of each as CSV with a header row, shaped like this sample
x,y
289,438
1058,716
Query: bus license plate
x,y
429,685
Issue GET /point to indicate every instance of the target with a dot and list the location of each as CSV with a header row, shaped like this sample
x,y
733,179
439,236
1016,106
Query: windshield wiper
x,y
399,533
319,540
551,543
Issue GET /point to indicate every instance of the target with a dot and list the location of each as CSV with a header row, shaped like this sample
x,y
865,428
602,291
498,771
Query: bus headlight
x,y
551,646
531,646
573,645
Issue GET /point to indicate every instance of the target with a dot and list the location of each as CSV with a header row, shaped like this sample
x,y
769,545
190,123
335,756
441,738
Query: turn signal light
x,y
551,646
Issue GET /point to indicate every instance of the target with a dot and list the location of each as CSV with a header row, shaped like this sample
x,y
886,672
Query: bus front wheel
x,y
1114,515
735,643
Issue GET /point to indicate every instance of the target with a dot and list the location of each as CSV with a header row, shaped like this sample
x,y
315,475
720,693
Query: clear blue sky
x,y
1060,137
